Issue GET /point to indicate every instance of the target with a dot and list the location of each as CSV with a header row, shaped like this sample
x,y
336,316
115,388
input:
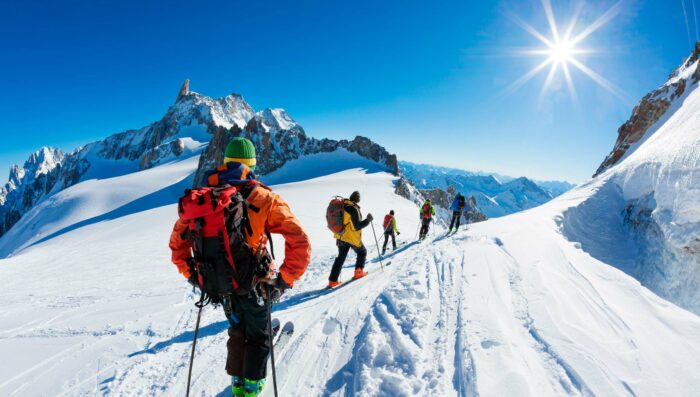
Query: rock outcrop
x,y
442,199
279,139
29,184
650,110
472,214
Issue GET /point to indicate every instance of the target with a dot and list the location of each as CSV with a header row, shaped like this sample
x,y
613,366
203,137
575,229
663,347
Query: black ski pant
x,y
248,342
425,225
388,234
343,249
456,217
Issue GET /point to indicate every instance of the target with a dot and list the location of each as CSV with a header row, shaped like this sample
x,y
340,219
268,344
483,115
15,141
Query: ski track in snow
x,y
489,311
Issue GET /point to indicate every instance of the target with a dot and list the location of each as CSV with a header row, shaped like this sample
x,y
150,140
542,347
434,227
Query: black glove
x,y
398,233
370,217
193,279
277,288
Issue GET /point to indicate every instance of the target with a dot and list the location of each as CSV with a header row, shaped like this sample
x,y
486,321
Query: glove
x,y
398,233
277,287
193,280
370,217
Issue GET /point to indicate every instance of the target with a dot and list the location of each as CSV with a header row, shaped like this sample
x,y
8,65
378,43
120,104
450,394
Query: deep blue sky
x,y
427,81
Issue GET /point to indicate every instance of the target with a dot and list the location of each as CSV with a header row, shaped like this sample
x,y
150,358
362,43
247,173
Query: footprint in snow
x,y
330,326
487,344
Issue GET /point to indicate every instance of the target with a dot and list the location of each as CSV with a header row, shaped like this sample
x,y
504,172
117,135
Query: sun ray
x,y
598,23
529,75
561,49
569,82
602,81
528,28
574,20
547,5
549,79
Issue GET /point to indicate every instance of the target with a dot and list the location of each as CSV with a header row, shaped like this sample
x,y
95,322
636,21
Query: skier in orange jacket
x,y
248,344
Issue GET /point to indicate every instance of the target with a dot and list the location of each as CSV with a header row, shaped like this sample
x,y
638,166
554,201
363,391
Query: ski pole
x,y
269,335
376,242
194,342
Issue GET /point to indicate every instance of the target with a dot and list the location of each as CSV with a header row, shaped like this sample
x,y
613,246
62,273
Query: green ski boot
x,y
237,383
253,388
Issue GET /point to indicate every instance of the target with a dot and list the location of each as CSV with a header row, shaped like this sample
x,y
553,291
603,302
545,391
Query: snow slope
x,y
509,307
650,202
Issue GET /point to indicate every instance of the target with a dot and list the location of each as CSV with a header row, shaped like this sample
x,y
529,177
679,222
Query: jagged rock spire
x,y
184,90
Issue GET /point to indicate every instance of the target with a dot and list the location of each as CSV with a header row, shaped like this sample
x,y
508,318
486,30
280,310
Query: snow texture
x,y
509,307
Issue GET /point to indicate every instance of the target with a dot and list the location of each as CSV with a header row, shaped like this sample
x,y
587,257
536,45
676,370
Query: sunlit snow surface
x,y
507,308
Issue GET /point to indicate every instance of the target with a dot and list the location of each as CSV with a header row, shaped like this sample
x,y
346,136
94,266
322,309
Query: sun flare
x,y
561,49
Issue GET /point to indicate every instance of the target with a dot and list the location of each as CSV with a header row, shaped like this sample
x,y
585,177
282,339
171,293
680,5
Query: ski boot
x,y
359,273
253,388
333,284
237,386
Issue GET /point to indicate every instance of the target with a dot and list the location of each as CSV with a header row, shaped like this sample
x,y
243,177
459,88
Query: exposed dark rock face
x,y
650,110
438,197
275,147
443,199
29,184
472,214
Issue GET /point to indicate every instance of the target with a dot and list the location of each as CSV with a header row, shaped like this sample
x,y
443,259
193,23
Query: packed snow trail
x,y
507,308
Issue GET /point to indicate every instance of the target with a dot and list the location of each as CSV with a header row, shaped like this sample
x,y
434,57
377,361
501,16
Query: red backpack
x,y
387,221
334,215
217,220
426,211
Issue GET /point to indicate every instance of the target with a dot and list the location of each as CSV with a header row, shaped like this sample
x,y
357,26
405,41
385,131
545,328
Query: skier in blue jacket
x,y
457,207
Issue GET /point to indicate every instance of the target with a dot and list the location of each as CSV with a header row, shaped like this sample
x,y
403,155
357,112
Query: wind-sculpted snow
x,y
508,307
643,214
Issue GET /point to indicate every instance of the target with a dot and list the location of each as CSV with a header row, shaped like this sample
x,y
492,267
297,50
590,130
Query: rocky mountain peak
x,y
655,105
276,119
184,90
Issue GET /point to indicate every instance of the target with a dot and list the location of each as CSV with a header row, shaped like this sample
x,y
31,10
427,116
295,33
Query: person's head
x,y
428,201
391,212
355,197
240,150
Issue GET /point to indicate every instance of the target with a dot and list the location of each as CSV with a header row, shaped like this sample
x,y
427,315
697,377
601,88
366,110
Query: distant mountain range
x,y
496,195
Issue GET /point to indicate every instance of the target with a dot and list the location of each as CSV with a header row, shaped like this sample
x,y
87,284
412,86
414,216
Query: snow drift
x,y
651,199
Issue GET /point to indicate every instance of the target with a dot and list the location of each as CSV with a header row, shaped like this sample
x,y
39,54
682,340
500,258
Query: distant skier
x,y
350,238
390,230
457,208
226,226
427,211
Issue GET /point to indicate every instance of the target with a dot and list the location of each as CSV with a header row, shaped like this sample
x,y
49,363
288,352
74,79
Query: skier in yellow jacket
x,y
351,238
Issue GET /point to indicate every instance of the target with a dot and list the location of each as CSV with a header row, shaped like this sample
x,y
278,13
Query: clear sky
x,y
429,80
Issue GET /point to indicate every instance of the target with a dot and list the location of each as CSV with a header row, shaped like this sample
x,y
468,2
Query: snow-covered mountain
x,y
495,195
193,124
27,185
647,195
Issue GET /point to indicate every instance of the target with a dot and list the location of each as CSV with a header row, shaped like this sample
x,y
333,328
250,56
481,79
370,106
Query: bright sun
x,y
561,52
561,49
